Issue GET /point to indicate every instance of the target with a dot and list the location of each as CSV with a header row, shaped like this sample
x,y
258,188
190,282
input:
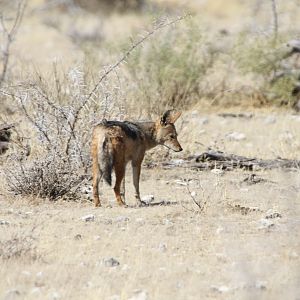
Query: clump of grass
x,y
19,245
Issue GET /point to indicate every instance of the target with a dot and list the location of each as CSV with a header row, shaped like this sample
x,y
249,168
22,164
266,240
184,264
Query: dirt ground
x,y
244,242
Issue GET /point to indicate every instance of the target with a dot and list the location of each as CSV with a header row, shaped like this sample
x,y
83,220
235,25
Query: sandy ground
x,y
244,244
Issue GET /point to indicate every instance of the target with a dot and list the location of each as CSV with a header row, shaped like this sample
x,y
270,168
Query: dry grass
x,y
232,249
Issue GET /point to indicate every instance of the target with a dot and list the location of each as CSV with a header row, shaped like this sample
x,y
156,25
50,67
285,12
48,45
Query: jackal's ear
x,y
170,116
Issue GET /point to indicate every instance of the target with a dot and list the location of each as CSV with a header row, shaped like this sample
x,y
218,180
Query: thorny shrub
x,y
62,114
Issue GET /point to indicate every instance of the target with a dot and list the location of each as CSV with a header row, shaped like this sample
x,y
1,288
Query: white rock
x,y
220,289
270,120
122,219
219,230
26,273
139,295
148,199
261,285
55,296
35,290
180,182
111,262
177,162
4,222
193,194
162,247
236,136
39,274
217,171
265,223
115,297
88,218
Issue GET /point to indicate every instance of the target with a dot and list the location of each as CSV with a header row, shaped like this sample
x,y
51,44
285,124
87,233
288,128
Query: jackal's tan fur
x,y
115,143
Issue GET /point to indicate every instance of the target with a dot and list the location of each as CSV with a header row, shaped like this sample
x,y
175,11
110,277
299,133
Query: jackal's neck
x,y
149,130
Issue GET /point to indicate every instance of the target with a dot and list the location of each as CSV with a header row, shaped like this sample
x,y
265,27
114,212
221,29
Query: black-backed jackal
x,y
116,143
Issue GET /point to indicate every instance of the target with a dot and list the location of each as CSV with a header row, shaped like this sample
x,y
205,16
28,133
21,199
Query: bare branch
x,y
9,37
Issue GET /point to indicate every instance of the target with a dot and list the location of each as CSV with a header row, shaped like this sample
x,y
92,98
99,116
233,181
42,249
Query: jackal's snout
x,y
173,145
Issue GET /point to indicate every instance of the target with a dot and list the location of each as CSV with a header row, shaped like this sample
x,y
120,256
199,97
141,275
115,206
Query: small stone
x,y
162,247
270,120
115,297
3,222
139,295
39,274
217,171
180,182
78,237
261,285
141,221
148,199
97,237
122,219
193,194
177,162
88,218
55,296
220,289
219,230
111,262
236,136
35,290
265,224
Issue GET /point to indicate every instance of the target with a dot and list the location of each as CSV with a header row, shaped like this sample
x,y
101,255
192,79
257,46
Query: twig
x,y
9,36
275,19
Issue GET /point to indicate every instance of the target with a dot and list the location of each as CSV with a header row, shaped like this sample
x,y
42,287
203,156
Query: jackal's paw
x,y
141,204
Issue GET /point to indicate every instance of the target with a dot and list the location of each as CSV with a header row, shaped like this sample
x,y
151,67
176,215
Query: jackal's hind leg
x,y
120,173
96,179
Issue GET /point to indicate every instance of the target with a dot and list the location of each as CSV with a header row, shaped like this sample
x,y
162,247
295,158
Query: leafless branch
x,y
275,19
9,36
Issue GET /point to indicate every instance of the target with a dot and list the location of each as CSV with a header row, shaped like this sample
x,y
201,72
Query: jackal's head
x,y
166,132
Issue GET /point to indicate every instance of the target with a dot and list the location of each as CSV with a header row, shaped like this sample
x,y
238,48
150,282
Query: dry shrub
x,y
269,63
62,114
169,69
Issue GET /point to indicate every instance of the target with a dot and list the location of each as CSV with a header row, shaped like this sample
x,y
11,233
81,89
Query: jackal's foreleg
x,y
136,172
123,189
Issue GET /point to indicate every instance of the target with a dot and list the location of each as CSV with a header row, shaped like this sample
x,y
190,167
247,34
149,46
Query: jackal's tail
x,y
105,157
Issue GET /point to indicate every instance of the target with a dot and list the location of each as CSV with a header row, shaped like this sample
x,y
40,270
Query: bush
x,y
269,65
62,114
168,70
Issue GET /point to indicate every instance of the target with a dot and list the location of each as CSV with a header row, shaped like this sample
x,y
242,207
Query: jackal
x,y
116,143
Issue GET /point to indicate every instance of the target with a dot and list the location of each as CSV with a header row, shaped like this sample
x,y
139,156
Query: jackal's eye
x,y
172,136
